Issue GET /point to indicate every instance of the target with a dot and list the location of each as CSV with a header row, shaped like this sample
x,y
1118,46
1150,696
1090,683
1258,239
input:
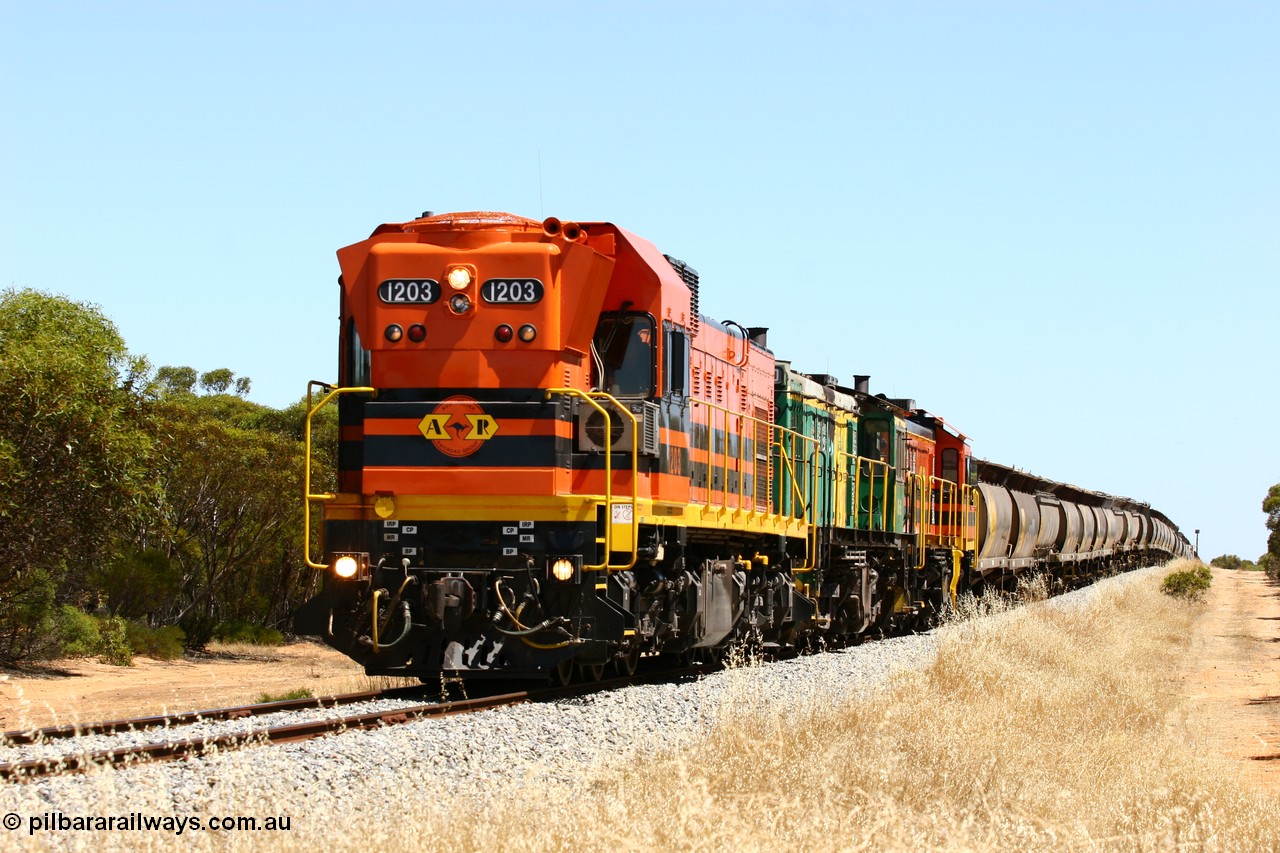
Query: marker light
x,y
459,303
528,332
417,333
459,278
345,567
504,333
562,569
394,333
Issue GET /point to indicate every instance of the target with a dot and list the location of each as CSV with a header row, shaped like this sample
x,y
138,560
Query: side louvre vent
x,y
690,277
648,422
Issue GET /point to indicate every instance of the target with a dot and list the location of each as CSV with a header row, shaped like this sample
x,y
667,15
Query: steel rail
x,y
110,727
201,746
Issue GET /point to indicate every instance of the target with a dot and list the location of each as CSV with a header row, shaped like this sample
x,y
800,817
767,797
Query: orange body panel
x,y
506,482
459,354
951,521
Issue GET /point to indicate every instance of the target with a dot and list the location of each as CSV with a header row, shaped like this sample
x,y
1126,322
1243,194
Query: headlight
x,y
346,567
459,278
562,569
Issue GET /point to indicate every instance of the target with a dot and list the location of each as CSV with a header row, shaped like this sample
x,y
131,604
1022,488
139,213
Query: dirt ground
x,y
1233,685
85,690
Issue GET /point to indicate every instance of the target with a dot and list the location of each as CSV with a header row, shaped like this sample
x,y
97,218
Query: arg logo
x,y
458,426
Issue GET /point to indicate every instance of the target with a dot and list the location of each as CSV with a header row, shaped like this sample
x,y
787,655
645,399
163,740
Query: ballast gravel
x,y
85,744
467,755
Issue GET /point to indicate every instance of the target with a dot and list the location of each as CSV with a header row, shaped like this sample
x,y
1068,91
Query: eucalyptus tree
x,y
74,450
231,475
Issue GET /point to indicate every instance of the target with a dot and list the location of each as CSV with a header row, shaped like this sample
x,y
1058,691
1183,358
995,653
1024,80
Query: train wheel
x,y
627,663
590,672
562,673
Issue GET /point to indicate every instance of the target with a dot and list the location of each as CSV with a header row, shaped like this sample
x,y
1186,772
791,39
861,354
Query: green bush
x,y
136,582
115,641
1231,561
240,631
268,637
76,633
28,615
199,629
300,693
1190,584
165,643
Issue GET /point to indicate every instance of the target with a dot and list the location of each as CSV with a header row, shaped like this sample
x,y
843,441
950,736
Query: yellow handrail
x,y
590,397
971,519
308,497
778,437
872,465
786,454
779,431
921,529
949,497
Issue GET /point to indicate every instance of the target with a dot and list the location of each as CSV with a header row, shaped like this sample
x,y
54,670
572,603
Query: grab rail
x,y
802,492
308,497
590,397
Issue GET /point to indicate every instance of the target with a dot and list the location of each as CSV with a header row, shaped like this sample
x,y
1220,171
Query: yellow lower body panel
x,y
351,507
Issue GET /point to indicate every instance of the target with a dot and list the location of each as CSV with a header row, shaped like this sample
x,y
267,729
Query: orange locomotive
x,y
550,461
525,484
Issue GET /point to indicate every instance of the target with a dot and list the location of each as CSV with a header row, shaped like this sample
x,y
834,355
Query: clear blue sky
x,y
1054,224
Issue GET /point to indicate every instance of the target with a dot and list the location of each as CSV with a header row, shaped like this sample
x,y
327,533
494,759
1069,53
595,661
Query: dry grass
x,y
1038,728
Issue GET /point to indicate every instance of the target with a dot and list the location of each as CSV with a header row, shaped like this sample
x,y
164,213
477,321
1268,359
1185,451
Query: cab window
x,y
951,465
676,363
356,367
875,441
624,347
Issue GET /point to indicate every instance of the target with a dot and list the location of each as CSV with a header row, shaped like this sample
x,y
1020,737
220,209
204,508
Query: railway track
x,y
108,727
169,748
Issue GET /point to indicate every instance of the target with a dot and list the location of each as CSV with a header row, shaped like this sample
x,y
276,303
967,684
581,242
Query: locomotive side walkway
x,y
1232,680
